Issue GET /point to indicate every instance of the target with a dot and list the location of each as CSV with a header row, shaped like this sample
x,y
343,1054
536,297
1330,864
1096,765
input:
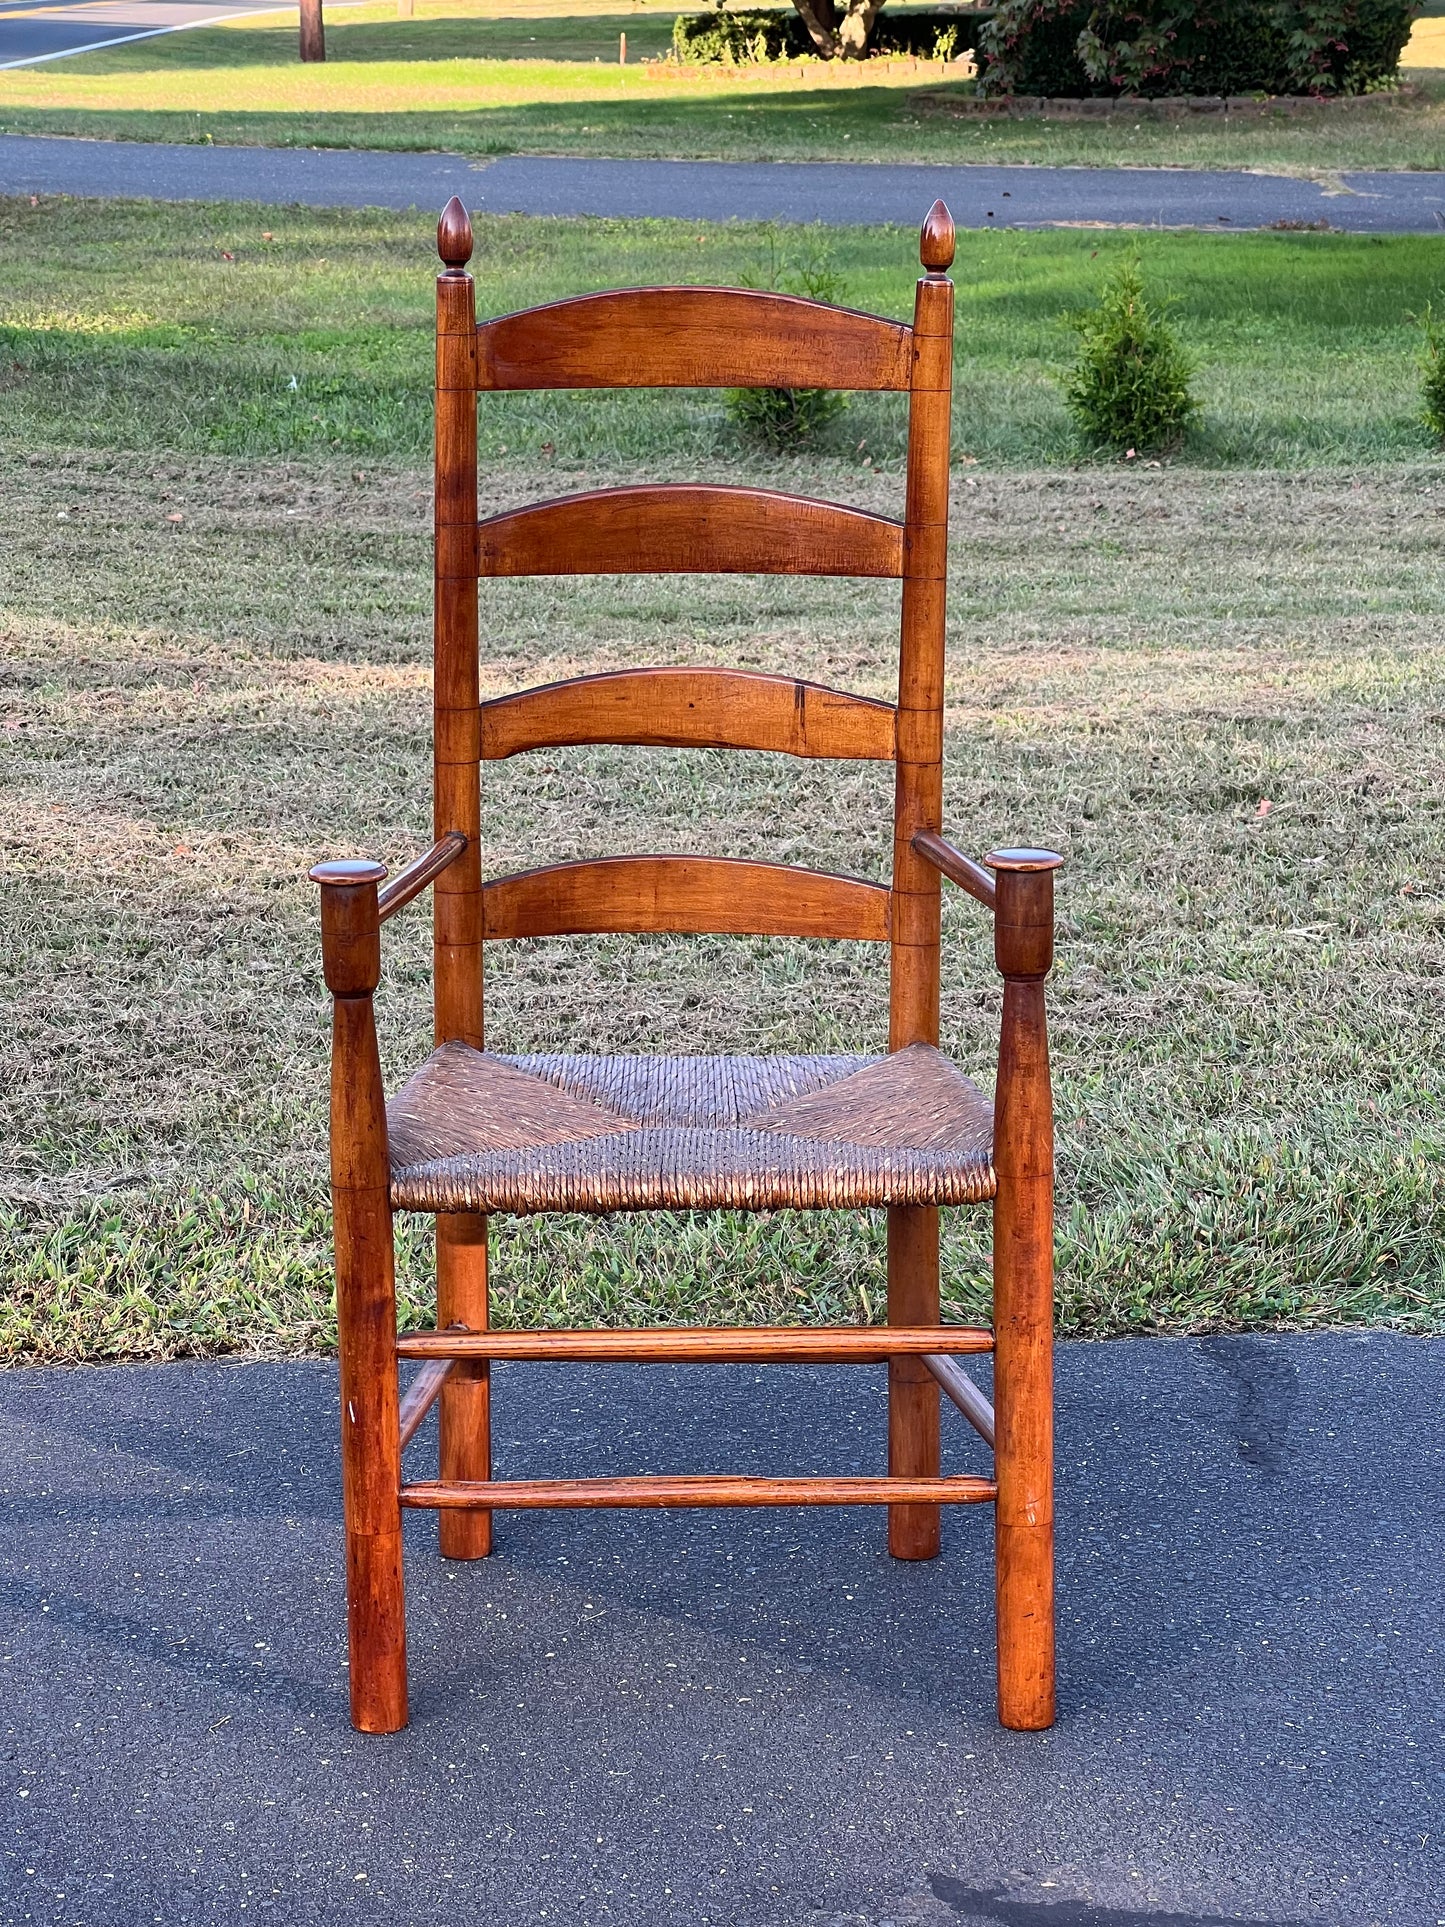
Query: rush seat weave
x,y
471,1131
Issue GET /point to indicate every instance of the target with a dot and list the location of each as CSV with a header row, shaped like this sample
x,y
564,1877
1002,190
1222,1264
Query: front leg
x,y
1023,1292
365,1300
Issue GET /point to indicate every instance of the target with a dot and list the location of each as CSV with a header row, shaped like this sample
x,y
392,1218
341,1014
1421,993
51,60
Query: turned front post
x,y
1023,1291
462,1292
913,1434
365,1300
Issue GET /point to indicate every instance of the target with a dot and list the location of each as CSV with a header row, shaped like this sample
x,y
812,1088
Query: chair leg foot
x,y
376,1626
1024,1584
914,1532
465,1535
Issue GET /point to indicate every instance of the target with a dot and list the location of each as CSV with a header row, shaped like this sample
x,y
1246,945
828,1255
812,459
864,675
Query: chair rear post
x,y
1023,1291
462,1296
365,1300
913,1295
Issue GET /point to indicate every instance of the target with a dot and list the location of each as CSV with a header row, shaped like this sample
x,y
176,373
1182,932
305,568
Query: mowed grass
x,y
513,77
279,332
1218,690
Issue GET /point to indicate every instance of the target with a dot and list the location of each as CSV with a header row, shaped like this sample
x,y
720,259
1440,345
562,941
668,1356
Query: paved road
x,y
838,193
33,31
631,1719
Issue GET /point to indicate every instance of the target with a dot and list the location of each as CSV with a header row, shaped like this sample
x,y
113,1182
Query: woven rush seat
x,y
471,1131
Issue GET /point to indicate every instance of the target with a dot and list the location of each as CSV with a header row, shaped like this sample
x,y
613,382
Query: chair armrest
x,y
957,867
423,870
354,907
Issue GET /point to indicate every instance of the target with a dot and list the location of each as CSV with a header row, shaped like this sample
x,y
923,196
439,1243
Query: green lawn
x,y
545,78
141,326
1216,684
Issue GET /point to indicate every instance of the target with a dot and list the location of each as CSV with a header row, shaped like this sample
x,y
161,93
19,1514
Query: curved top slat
x,y
693,338
696,895
690,709
688,528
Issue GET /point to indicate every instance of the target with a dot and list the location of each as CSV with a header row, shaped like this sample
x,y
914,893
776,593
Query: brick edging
x,y
1167,107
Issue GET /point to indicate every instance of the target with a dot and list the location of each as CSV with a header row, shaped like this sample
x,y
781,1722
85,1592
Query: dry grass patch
x,y
1247,1004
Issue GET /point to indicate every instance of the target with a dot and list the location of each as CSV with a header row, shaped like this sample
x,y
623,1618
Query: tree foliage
x,y
1065,47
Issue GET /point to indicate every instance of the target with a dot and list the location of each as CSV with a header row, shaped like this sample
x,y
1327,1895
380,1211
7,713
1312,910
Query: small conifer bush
x,y
783,418
1130,387
1432,372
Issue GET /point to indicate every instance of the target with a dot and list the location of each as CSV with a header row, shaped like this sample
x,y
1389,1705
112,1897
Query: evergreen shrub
x,y
783,418
1131,386
1432,372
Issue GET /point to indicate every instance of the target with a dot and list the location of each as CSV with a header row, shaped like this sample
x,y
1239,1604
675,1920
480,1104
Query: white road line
x,y
150,33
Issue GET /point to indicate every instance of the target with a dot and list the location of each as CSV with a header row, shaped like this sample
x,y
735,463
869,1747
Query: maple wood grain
x,y
1023,1275
690,709
686,529
724,896
697,1490
692,338
711,1344
420,1396
365,1300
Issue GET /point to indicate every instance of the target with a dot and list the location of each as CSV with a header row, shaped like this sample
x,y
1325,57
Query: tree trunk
x,y
857,27
313,31
839,32
820,17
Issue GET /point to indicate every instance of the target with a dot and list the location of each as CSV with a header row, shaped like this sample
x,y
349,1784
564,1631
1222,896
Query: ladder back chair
x,y
471,1132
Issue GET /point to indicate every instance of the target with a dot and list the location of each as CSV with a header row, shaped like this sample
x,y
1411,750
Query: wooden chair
x,y
470,1132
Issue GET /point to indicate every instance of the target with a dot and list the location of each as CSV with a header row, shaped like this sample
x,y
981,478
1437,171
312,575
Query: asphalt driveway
x,y
749,1719
838,193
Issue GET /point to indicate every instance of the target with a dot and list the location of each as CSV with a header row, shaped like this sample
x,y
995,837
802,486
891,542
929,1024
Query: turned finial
x,y
454,236
935,244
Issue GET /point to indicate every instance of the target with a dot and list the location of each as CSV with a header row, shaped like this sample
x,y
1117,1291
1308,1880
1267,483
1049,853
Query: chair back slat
x,y
692,338
690,709
688,529
722,896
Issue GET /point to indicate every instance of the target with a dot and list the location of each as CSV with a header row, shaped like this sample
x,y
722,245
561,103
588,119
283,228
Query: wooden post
x,y
462,1296
365,1300
313,31
914,1531
1023,1293
466,1410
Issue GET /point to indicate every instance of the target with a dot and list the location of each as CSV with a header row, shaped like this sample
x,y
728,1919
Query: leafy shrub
x,y
1432,371
1130,387
774,33
782,418
1078,48
758,34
